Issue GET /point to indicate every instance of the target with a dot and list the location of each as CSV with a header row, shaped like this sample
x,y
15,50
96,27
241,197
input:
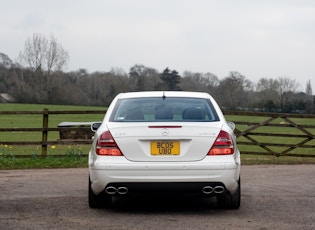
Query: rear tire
x,y
230,201
98,201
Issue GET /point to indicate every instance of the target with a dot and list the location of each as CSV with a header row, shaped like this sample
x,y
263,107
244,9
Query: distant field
x,y
35,121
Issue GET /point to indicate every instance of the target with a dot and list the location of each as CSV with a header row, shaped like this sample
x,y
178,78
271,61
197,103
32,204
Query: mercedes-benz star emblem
x,y
165,132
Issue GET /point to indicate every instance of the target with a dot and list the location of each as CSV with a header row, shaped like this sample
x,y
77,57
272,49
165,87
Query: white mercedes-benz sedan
x,y
164,142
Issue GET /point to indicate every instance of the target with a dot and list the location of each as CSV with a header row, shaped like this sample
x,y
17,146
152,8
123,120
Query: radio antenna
x,y
163,95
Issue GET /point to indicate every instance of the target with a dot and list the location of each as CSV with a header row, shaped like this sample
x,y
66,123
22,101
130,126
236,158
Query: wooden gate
x,y
275,134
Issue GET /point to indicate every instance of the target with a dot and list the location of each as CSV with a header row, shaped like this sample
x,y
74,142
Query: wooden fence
x,y
275,134
78,133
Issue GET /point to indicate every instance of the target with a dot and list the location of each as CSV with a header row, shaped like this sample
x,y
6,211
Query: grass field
x,y
75,155
36,121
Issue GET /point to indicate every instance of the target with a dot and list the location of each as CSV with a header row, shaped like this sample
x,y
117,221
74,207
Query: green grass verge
x,y
70,157
273,160
42,163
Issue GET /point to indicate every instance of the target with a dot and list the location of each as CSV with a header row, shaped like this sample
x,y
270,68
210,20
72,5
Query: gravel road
x,y
273,197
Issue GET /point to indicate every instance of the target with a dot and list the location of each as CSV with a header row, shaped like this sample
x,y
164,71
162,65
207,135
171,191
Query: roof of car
x,y
165,93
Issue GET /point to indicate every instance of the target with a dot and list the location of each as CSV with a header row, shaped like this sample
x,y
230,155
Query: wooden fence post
x,y
45,132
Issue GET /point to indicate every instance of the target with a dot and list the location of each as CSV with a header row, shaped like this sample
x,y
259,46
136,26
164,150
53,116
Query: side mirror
x,y
231,125
95,126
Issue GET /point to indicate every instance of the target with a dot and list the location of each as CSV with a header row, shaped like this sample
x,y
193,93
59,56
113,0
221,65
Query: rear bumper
x,y
176,175
160,188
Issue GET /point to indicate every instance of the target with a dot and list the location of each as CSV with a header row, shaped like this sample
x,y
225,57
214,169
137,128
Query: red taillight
x,y
106,145
223,145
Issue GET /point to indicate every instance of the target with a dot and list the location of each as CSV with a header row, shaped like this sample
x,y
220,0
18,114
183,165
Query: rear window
x,y
172,109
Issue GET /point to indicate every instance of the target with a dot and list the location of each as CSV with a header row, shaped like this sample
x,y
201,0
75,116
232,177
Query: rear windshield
x,y
172,109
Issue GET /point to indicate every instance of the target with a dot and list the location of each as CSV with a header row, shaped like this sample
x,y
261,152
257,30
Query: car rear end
x,y
164,142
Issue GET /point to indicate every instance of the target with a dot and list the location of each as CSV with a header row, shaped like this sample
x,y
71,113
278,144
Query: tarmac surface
x,y
273,197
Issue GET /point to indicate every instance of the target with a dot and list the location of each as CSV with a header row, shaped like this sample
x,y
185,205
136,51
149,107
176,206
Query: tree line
x,y
79,87
43,81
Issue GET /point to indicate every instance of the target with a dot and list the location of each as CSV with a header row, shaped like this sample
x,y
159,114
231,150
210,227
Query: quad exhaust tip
x,y
122,190
111,190
209,190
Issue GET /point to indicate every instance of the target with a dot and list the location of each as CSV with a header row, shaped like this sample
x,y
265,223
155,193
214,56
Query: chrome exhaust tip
x,y
122,190
207,190
219,189
111,190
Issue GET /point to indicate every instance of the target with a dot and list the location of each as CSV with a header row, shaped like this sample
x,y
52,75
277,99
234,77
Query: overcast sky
x,y
258,38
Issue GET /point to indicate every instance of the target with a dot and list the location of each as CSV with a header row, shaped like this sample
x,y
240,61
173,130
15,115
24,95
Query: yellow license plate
x,y
165,148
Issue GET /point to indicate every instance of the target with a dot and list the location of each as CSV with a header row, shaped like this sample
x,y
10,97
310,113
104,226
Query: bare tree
x,y
276,92
42,54
232,91
310,103
143,78
56,56
309,91
267,95
286,85
136,75
204,82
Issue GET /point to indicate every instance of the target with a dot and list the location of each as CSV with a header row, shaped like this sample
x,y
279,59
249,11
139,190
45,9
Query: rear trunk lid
x,y
150,142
